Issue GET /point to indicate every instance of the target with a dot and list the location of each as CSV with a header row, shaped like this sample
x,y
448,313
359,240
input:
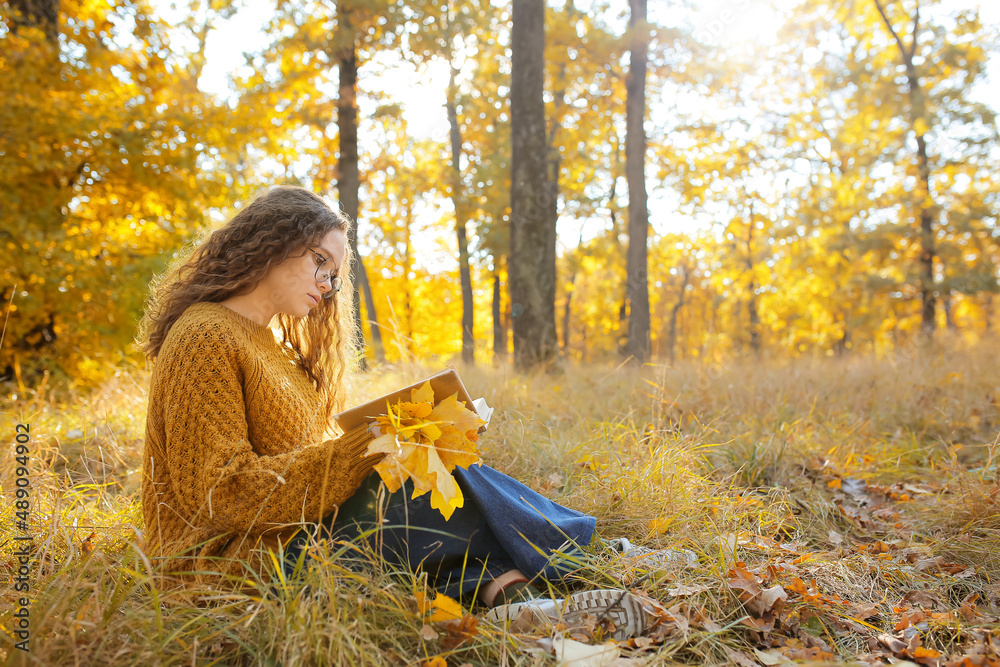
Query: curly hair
x,y
237,256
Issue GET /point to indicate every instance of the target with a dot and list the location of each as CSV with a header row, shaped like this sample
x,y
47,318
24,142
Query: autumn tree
x,y
449,30
313,49
112,157
902,74
532,233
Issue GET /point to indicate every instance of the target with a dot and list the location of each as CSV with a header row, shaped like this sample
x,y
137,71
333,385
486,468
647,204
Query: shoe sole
x,y
625,610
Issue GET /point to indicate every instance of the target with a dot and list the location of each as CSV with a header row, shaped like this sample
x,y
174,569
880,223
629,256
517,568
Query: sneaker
x,y
627,615
651,559
625,610
542,608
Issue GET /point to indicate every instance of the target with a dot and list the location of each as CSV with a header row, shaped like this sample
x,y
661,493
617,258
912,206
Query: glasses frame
x,y
335,280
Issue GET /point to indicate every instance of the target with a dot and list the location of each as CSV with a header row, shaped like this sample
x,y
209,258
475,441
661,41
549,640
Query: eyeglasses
x,y
324,275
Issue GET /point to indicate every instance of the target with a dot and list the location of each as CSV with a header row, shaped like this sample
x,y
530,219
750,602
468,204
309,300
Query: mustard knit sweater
x,y
235,450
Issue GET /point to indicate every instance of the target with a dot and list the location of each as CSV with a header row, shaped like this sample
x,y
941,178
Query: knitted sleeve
x,y
211,464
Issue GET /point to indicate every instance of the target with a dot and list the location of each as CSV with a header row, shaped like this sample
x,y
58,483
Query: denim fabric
x,y
502,525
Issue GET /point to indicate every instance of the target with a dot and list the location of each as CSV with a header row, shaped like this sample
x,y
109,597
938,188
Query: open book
x,y
444,383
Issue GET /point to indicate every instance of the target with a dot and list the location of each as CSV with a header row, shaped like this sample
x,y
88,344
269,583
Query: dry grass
x,y
756,455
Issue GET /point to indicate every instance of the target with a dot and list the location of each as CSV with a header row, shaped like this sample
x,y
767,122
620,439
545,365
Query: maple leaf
x,y
424,443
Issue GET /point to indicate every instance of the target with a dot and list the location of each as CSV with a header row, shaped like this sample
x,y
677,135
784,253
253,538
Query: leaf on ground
x,y
683,590
459,631
745,582
740,658
968,607
810,654
854,487
762,625
891,643
770,599
572,653
772,657
876,547
909,618
921,599
428,633
797,586
866,611
553,481
445,609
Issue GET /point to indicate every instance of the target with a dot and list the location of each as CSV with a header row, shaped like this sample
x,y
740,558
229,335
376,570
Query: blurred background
x,y
821,176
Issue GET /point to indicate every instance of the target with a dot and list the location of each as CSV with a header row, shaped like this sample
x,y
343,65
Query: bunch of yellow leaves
x,y
424,443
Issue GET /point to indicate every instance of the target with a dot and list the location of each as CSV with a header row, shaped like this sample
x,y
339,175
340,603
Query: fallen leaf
x,y
428,633
445,609
921,599
770,598
740,658
968,607
641,643
924,652
772,657
553,481
866,611
797,586
854,487
459,631
877,547
762,625
891,643
727,544
571,653
742,580
810,653
682,590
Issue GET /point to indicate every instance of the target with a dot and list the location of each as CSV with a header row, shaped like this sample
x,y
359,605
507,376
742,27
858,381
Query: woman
x,y
239,453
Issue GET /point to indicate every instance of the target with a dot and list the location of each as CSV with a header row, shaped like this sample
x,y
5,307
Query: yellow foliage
x,y
424,442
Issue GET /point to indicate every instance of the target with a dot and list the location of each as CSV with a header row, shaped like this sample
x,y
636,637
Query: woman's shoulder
x,y
204,323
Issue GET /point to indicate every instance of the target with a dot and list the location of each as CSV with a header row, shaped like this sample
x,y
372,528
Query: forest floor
x,y
843,510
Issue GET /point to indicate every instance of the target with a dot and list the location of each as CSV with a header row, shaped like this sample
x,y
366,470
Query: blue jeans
x,y
503,525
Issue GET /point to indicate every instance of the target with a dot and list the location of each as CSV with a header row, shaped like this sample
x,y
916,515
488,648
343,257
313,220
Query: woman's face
x,y
292,286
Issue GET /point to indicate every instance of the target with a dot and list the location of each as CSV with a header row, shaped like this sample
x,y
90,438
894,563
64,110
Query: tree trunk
x,y
928,304
637,283
532,235
672,338
569,299
349,182
499,333
752,290
408,261
623,308
949,315
458,200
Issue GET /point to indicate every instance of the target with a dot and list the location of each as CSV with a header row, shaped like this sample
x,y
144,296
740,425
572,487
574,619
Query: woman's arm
x,y
211,465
